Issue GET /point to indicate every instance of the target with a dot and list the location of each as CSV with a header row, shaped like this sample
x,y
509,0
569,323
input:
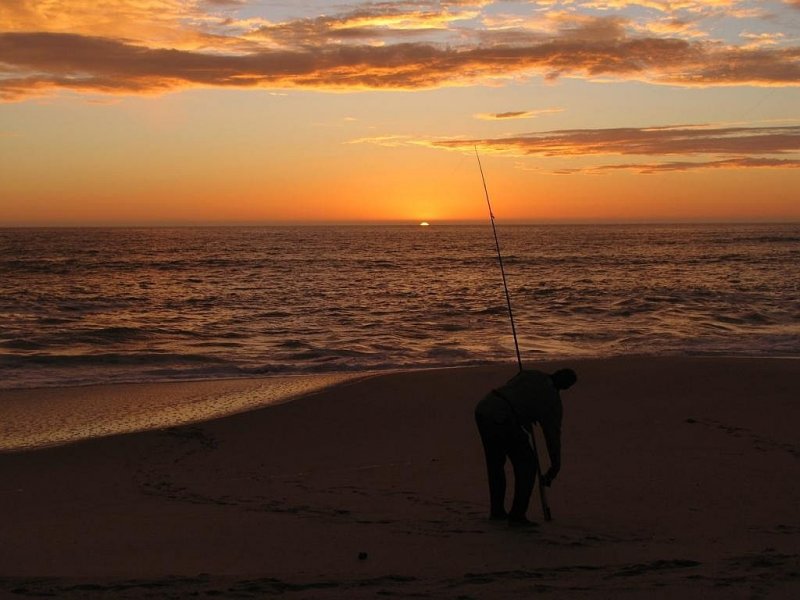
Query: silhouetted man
x,y
505,418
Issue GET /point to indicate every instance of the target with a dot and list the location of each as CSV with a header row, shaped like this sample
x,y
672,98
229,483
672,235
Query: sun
x,y
424,224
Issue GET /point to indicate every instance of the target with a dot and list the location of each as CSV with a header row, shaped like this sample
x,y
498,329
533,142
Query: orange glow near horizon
x,y
763,195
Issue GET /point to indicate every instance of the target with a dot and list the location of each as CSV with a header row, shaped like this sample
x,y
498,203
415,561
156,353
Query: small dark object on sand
x,y
362,556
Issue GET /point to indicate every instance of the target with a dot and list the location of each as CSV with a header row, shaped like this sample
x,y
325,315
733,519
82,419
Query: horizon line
x,y
393,222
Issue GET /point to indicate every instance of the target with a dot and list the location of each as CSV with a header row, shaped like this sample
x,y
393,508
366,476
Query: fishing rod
x,y
500,260
531,435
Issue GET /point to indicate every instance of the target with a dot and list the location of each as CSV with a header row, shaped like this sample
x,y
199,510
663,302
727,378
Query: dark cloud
x,y
647,141
709,147
666,167
36,62
517,114
511,115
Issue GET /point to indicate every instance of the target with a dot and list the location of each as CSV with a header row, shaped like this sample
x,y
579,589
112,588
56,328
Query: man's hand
x,y
547,478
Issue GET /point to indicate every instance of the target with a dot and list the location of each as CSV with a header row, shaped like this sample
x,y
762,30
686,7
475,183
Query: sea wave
x,y
86,306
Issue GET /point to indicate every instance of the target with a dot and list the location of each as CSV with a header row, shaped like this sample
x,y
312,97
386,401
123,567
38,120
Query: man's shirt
x,y
528,397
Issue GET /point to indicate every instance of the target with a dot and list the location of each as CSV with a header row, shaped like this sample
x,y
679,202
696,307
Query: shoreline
x,y
678,480
262,390
550,358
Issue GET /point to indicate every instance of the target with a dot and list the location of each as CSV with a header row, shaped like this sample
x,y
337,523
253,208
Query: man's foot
x,y
498,516
521,522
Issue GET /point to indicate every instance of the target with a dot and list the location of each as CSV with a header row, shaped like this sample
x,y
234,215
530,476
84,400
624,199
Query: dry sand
x,y
680,479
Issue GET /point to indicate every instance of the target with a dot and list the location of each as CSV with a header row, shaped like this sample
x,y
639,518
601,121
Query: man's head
x,y
564,379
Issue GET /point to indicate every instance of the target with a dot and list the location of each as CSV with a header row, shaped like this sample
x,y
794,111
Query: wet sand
x,y
53,416
679,480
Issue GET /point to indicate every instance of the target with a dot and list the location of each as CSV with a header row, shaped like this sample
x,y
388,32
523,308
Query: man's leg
x,y
495,452
524,462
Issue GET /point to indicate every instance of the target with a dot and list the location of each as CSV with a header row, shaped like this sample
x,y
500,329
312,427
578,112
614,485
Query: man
x,y
505,418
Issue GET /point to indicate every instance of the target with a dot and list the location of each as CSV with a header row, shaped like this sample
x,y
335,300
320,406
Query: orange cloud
x,y
153,23
373,23
667,6
761,40
390,141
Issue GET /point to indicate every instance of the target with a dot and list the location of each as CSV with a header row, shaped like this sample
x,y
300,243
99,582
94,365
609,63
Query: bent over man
x,y
505,418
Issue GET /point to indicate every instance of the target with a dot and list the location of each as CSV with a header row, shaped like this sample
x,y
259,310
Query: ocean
x,y
106,305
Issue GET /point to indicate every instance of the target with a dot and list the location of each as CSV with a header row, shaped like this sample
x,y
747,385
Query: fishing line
x,y
500,260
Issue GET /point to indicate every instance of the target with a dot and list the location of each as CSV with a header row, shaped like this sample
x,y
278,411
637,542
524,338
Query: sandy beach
x,y
680,479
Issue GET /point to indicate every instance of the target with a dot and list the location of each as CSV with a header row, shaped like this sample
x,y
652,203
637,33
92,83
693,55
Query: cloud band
x,y
32,63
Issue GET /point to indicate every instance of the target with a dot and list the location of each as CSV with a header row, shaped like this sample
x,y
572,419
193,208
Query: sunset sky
x,y
259,111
